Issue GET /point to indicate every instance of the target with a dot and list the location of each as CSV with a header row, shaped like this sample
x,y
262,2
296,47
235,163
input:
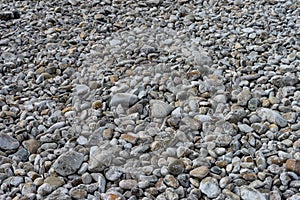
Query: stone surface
x,y
160,109
7,142
248,193
68,163
200,172
210,187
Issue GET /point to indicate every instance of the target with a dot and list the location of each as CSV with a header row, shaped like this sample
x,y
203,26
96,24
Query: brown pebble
x,y
293,165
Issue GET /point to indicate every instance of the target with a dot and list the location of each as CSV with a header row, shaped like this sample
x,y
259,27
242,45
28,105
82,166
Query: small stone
x,y
68,163
129,138
113,174
176,167
245,128
294,197
247,30
160,109
32,145
16,180
293,165
200,172
56,126
54,181
107,133
253,104
22,154
44,189
249,193
244,96
112,196
210,187
60,193
28,188
97,104
235,116
7,142
125,99
78,193
171,181
127,184
272,116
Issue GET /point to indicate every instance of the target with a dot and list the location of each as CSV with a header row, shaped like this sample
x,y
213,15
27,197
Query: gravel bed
x,y
152,99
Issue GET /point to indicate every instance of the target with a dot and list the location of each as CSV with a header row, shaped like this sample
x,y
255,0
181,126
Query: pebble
x,y
272,116
146,99
200,172
248,193
54,181
176,167
160,109
293,165
125,99
7,142
68,163
128,184
210,187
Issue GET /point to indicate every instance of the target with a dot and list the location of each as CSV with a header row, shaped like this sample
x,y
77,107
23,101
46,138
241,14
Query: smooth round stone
x,y
253,104
249,193
176,167
200,172
54,181
210,187
127,184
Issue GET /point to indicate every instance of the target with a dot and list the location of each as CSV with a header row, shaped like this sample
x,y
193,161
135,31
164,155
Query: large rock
x,y
68,163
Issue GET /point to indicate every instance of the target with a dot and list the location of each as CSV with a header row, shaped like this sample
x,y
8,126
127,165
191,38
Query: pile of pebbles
x,y
149,99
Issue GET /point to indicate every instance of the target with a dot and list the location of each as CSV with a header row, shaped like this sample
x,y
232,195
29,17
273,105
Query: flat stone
x,y
60,193
200,172
45,189
125,99
81,90
249,193
210,187
54,181
7,142
247,30
160,109
78,193
68,163
245,128
127,184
